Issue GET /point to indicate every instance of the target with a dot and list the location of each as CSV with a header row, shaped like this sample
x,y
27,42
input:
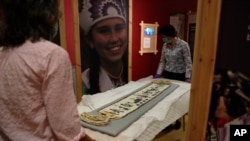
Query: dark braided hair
x,y
94,72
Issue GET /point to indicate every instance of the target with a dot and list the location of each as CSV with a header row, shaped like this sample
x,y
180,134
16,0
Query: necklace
x,y
115,77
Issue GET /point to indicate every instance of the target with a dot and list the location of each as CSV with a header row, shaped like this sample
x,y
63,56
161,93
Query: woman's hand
x,y
187,80
157,76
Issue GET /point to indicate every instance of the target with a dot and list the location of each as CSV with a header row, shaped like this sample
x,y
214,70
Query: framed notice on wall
x,y
148,38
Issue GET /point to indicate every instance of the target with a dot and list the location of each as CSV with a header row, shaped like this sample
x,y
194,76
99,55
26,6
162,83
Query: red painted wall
x,y
69,29
151,11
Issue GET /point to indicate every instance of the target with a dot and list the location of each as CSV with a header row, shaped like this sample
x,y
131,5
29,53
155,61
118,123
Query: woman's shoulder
x,y
42,48
50,46
182,43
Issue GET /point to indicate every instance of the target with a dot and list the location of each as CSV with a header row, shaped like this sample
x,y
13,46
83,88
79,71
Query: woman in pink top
x,y
37,100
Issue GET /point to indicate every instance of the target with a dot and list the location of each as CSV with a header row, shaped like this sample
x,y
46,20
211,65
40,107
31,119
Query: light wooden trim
x,y
62,31
153,39
130,8
206,36
77,50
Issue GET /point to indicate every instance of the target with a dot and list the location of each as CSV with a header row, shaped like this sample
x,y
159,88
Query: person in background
x,y
104,25
37,100
175,62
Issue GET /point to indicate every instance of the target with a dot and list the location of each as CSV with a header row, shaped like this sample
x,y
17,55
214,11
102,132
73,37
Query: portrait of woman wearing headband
x,y
104,44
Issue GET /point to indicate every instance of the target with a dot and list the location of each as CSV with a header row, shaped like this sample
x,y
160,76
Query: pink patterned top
x,y
37,100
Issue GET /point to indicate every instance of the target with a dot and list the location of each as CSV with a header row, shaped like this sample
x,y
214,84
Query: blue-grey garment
x,y
177,59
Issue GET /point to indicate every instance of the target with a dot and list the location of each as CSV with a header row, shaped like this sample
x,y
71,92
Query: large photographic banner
x,y
107,51
230,101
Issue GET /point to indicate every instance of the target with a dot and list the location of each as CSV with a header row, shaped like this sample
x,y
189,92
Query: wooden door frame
x,y
206,38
